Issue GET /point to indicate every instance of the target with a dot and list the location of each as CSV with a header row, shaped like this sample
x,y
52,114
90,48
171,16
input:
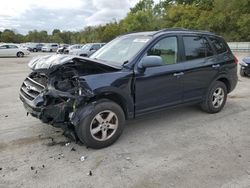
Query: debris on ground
x,y
60,155
1,168
54,143
90,173
6,116
239,155
32,168
128,158
83,158
73,149
67,144
43,166
36,172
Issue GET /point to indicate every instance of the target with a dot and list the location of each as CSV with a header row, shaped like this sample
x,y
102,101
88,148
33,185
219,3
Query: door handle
x,y
179,74
216,66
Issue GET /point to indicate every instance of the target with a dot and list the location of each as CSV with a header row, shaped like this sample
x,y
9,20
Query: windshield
x,y
121,49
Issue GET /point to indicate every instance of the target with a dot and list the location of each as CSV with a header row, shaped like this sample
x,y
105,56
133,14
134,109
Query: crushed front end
x,y
56,88
53,99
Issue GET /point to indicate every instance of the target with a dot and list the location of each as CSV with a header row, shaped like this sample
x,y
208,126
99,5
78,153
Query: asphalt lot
x,y
181,147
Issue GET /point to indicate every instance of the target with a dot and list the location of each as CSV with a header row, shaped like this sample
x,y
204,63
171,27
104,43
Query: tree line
x,y
228,18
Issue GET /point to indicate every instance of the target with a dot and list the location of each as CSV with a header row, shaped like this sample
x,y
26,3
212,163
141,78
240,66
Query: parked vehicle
x,y
7,50
73,47
245,67
50,48
133,75
87,49
34,47
62,48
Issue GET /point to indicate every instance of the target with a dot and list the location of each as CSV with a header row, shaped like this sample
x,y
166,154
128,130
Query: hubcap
x,y
104,125
218,97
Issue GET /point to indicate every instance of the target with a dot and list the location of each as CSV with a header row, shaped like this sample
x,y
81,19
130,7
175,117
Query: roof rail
x,y
180,29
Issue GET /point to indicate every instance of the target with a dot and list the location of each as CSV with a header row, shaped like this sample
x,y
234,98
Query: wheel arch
x,y
118,99
226,81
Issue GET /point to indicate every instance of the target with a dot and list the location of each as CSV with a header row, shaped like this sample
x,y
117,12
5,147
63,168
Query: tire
x,y
242,73
20,54
217,92
34,50
91,130
51,50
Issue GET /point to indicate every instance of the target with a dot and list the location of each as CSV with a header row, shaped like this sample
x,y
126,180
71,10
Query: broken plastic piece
x,y
90,173
83,158
67,144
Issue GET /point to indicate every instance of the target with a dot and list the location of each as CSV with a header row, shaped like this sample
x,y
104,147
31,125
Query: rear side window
x,y
12,46
218,44
4,47
196,47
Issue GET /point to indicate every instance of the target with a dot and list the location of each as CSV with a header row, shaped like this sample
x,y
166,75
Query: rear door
x,y
200,66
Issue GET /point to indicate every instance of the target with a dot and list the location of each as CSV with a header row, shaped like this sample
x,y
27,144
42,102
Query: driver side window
x,y
167,49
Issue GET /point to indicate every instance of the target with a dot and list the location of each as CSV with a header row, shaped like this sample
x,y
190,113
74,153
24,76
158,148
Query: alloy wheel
x,y
104,125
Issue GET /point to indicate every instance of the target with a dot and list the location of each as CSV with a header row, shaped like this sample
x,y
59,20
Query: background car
x,y
245,67
34,47
50,48
73,47
12,50
62,48
87,49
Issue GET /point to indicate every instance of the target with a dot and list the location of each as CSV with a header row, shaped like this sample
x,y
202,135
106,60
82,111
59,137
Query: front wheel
x,y
20,54
103,126
215,98
242,72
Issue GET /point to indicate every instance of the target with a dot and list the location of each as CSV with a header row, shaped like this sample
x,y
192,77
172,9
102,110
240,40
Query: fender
x,y
115,83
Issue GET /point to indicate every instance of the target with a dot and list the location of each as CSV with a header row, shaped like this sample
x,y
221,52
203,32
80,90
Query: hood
x,y
246,60
54,61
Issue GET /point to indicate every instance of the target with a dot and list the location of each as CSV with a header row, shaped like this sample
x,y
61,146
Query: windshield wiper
x,y
125,62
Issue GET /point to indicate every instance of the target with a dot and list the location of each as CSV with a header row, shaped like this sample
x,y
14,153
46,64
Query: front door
x,y
159,87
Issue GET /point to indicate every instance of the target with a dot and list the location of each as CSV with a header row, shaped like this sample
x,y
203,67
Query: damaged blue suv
x,y
133,75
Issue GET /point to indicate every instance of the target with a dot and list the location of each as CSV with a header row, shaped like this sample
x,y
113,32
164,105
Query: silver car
x,y
87,49
50,47
7,50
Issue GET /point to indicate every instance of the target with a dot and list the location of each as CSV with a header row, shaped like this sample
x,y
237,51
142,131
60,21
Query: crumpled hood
x,y
53,61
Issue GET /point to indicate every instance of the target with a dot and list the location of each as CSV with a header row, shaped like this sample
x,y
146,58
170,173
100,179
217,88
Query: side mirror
x,y
150,61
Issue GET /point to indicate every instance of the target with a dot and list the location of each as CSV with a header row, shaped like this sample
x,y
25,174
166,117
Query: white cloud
x,y
25,15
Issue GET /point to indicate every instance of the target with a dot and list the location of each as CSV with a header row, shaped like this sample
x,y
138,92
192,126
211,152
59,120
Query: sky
x,y
66,15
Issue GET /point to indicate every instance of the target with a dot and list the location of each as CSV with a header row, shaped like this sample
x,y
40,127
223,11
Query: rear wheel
x,y
103,126
215,98
34,50
20,54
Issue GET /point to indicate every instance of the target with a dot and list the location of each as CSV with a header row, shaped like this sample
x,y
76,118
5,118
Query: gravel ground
x,y
182,147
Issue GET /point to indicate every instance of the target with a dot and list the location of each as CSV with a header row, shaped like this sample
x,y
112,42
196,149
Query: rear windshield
x,y
218,44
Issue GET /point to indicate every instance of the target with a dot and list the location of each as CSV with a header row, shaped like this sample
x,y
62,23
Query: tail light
x,y
235,60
